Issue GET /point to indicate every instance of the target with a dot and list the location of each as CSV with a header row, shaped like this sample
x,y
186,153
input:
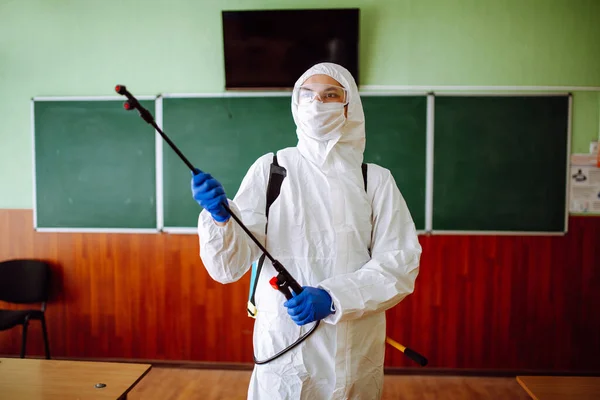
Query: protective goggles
x,y
325,93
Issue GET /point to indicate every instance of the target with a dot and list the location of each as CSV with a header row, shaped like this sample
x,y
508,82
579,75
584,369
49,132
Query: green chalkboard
x,y
225,135
500,163
94,166
396,128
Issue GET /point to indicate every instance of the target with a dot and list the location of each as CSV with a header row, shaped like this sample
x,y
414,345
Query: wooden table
x,y
26,379
561,387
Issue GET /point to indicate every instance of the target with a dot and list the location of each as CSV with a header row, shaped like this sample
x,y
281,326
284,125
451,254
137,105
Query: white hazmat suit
x,y
361,247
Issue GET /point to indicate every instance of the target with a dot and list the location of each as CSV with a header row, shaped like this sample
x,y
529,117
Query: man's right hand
x,y
209,193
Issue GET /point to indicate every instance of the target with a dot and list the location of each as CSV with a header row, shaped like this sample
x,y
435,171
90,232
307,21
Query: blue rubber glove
x,y
209,193
311,305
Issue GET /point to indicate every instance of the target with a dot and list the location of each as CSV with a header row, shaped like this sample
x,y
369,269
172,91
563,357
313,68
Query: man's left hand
x,y
311,305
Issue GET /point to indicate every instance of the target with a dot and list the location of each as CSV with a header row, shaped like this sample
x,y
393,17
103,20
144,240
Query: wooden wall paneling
x,y
481,302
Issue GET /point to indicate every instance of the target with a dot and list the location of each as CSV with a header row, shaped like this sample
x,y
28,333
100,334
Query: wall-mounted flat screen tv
x,y
270,49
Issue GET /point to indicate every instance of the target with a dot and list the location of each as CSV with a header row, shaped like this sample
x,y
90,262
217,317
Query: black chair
x,y
24,282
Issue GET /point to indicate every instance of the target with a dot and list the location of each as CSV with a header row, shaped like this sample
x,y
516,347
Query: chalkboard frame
x,y
429,170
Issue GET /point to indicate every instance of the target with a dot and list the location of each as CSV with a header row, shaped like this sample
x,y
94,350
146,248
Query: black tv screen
x,y
270,49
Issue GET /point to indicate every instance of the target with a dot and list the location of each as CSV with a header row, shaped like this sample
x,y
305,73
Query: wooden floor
x,y
178,384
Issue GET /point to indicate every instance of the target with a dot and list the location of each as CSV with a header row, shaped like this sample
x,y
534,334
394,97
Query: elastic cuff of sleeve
x,y
335,316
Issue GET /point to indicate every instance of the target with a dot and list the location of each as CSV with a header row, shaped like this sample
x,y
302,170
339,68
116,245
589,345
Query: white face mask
x,y
322,121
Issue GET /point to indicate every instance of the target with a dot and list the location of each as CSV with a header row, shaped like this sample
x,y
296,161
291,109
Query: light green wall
x,y
70,47
586,116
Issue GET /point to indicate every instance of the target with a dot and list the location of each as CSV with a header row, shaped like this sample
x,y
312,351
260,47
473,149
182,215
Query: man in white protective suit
x,y
355,252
